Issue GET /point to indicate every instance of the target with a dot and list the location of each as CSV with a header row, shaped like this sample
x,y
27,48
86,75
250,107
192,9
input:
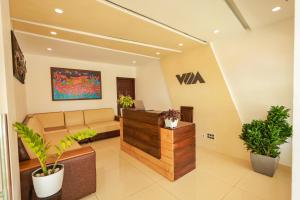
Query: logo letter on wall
x,y
190,78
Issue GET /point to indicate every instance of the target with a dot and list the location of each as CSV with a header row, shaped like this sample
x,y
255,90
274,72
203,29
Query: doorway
x,y
125,86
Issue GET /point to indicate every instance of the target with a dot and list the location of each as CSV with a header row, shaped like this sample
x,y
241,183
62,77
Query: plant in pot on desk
x,y
47,180
125,102
171,118
264,137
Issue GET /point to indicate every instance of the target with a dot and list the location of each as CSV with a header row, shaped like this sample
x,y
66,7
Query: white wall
x,y
38,84
20,99
296,116
151,87
7,100
258,67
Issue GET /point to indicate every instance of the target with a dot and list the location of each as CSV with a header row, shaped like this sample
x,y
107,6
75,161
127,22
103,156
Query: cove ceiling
x,y
99,24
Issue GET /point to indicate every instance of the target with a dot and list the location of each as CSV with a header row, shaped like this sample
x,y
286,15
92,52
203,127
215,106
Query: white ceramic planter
x,y
48,185
171,124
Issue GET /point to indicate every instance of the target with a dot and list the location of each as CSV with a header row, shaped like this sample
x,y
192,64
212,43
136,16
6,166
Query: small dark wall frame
x,y
19,62
75,84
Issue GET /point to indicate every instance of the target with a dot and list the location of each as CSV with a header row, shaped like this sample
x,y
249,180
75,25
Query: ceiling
x,y
141,28
201,17
98,24
33,44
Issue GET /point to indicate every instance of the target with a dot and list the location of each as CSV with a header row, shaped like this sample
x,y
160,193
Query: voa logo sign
x,y
190,78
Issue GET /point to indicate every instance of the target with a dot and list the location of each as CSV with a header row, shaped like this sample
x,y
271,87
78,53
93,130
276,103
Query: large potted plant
x,y
171,118
47,180
125,102
264,137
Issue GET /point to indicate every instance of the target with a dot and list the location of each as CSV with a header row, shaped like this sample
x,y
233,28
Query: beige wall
x,y
214,111
38,84
296,116
151,87
7,98
258,66
20,100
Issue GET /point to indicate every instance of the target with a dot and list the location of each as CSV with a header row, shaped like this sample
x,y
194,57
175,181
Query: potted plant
x,y
125,102
171,118
264,137
47,180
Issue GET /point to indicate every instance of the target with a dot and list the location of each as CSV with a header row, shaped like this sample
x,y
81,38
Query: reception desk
x,y
170,152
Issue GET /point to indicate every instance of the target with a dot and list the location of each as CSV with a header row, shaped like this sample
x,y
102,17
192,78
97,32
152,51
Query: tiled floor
x,y
217,177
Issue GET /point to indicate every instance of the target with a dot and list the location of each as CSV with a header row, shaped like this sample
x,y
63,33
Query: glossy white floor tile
x,y
217,177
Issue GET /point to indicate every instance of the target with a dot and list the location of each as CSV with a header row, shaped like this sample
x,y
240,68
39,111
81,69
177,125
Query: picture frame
x,y
19,62
75,84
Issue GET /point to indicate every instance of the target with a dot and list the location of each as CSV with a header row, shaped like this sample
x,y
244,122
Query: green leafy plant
x,y
171,114
264,137
40,147
126,101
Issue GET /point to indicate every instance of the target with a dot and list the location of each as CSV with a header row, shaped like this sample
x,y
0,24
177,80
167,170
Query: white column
x,y
7,97
296,108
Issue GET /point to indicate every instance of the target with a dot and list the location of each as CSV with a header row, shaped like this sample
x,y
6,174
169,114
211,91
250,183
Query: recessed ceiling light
x,y
133,62
53,33
216,31
180,44
58,10
157,53
277,8
49,49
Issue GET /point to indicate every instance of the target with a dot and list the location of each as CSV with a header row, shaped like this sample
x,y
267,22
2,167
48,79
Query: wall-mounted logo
x,y
190,78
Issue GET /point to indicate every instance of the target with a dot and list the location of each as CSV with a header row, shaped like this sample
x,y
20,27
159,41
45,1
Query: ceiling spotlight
x,y
180,44
133,62
157,53
277,8
216,31
53,33
49,49
58,10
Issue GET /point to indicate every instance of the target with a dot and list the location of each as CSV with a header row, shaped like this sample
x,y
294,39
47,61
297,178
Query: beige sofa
x,y
55,125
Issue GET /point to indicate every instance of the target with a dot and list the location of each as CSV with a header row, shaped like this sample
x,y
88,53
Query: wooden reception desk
x,y
170,152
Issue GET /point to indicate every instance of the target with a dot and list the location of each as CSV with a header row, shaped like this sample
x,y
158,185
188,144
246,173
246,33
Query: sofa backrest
x,y
34,124
73,118
98,115
51,120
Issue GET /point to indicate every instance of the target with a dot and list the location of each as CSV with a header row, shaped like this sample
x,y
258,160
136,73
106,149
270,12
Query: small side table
x,y
56,196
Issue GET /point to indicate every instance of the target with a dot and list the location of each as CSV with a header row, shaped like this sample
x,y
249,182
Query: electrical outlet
x,y
210,136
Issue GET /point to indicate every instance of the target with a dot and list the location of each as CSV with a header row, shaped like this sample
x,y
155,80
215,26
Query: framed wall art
x,y
19,63
75,84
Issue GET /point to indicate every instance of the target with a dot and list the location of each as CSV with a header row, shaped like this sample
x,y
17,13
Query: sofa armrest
x,y
79,173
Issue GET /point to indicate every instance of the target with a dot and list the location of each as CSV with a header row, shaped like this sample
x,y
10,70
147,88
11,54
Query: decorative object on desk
x,y
74,84
171,118
125,102
47,180
19,62
264,137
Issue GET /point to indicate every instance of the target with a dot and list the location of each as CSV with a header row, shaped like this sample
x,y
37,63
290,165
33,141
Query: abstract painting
x,y
19,63
74,84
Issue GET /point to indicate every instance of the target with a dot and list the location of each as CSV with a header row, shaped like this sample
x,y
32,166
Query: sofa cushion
x,y
55,130
55,138
52,119
73,118
102,127
77,128
98,115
